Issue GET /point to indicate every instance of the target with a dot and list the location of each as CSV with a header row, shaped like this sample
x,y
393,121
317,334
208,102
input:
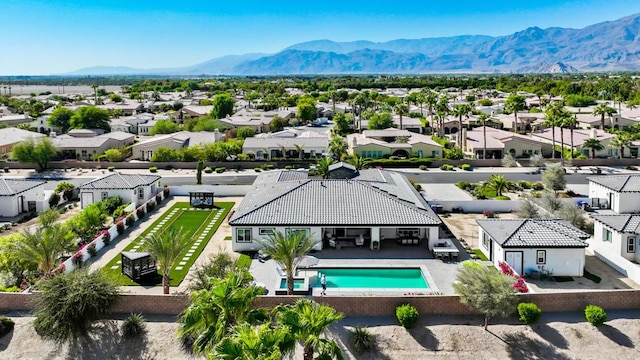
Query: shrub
x,y
166,192
106,236
6,169
524,184
502,197
444,167
111,168
208,170
529,313
362,340
133,326
288,167
120,227
538,186
257,169
153,169
129,220
151,205
158,199
76,259
595,315
120,211
407,315
91,249
465,167
629,167
54,200
6,325
112,203
463,185
490,214
140,213
220,170
422,167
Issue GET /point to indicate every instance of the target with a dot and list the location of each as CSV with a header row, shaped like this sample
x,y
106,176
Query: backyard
x,y
199,225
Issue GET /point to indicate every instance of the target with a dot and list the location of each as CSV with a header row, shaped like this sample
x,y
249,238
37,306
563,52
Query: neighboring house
x,y
579,138
130,123
132,188
14,119
534,245
83,144
501,142
409,124
617,236
127,107
620,193
376,206
19,196
375,144
176,141
526,121
196,111
259,121
11,136
287,144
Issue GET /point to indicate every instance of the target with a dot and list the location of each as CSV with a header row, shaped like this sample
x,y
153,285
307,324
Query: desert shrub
x,y
111,168
509,161
502,197
537,186
208,170
463,185
257,169
130,220
6,325
524,184
631,167
362,340
466,167
91,249
407,315
54,200
220,170
153,169
422,167
529,313
6,169
595,315
133,326
120,228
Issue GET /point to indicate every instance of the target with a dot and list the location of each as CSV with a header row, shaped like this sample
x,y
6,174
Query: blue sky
x,y
57,36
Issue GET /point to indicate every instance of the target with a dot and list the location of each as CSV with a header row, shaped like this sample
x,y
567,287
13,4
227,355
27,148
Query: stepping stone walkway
x,y
198,241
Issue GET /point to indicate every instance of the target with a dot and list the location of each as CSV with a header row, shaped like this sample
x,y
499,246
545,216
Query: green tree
x,y
222,106
460,111
594,145
166,248
337,147
603,110
113,155
115,98
308,321
39,151
307,109
60,118
343,123
515,103
67,304
381,121
48,217
619,142
552,119
66,188
553,178
483,118
287,251
89,221
91,117
278,123
486,291
41,249
199,169
164,127
358,162
262,341
245,132
163,154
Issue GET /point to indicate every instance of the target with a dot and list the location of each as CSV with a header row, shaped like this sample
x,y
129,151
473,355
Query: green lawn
x,y
480,254
199,224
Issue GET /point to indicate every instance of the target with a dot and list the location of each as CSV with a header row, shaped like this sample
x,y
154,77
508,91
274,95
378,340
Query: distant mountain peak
x,y
549,68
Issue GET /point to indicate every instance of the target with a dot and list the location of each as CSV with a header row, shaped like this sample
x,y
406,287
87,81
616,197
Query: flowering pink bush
x,y
520,285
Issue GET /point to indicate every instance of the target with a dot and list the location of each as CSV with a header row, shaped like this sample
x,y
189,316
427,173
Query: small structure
x,y
201,199
138,265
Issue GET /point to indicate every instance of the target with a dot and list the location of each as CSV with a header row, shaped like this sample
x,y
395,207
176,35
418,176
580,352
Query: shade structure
x,y
308,261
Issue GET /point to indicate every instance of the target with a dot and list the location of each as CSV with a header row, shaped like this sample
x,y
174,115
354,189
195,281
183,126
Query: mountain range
x,y
606,46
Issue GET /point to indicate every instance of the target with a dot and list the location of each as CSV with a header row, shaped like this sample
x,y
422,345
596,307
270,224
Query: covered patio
x,y
378,238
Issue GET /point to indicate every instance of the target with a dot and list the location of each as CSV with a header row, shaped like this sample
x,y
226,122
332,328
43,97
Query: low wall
x,y
365,306
219,190
478,206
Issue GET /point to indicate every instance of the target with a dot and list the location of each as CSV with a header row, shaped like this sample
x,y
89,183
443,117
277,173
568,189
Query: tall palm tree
x,y
431,100
594,145
95,93
571,122
442,107
515,103
300,150
166,248
214,312
42,249
262,341
287,250
552,119
484,117
621,141
331,94
420,99
308,321
603,110
401,109
459,111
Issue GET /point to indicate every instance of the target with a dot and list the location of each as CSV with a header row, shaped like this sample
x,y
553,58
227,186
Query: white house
x,y
620,193
132,188
534,245
19,196
369,209
617,236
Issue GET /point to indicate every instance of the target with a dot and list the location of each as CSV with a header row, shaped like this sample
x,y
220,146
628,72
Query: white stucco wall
x,y
9,204
127,195
628,202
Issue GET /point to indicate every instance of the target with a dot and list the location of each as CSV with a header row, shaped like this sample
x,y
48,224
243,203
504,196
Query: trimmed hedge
x,y
413,162
6,325
407,315
595,315
529,313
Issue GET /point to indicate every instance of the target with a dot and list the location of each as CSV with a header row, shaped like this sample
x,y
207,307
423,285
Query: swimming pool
x,y
373,278
297,283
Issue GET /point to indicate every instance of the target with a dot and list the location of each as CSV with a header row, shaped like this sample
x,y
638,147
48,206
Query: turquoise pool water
x,y
373,278
297,283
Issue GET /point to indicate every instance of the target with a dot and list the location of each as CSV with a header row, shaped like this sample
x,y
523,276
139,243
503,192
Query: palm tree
x,y
483,117
401,109
308,321
420,99
300,150
551,120
214,312
166,248
287,250
42,248
498,183
621,141
594,145
95,92
358,162
461,110
602,110
515,103
322,167
442,107
431,100
338,147
256,342
571,122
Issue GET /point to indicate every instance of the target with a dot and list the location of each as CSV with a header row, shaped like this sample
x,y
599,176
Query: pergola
x,y
201,199
138,265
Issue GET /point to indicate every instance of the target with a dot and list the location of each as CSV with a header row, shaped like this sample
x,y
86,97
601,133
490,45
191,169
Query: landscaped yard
x,y
199,225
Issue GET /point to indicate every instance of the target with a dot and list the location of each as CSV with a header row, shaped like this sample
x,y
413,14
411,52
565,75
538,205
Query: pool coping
x,y
432,289
304,290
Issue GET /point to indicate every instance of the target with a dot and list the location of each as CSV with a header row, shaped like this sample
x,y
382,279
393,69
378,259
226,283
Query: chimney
x,y
593,133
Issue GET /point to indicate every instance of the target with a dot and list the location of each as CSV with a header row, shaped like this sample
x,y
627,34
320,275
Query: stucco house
x,y
534,245
287,144
501,142
375,144
11,136
132,188
620,193
617,236
83,144
19,196
579,138
145,148
367,210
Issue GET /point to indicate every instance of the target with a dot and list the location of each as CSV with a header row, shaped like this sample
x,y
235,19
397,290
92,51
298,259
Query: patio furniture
x,y
359,240
441,252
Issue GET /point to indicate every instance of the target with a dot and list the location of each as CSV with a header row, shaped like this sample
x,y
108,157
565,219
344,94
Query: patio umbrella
x,y
308,261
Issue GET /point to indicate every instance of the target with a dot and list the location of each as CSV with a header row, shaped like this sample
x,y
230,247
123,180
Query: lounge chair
x,y
360,240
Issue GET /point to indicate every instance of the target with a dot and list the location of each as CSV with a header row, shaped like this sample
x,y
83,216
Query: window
x,y
243,235
265,231
83,153
541,257
607,235
105,195
485,241
141,193
435,154
631,244
294,231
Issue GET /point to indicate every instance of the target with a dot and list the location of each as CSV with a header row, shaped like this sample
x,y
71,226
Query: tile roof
x,y
120,181
392,202
619,183
287,143
627,223
13,135
10,187
530,233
